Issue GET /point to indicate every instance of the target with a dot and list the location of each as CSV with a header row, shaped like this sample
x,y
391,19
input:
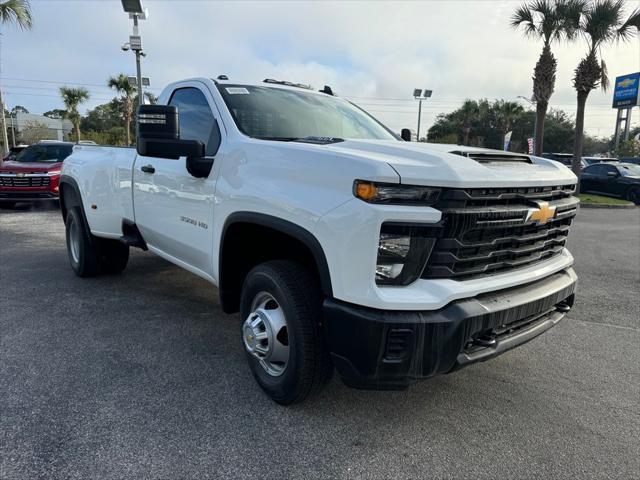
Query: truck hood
x,y
436,165
11,166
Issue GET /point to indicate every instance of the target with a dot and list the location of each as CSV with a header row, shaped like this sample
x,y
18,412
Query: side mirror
x,y
612,174
405,134
159,134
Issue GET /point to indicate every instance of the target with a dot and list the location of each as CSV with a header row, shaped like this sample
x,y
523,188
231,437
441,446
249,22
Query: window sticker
x,y
237,91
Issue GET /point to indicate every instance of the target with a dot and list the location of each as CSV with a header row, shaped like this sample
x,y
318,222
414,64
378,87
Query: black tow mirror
x,y
405,134
159,134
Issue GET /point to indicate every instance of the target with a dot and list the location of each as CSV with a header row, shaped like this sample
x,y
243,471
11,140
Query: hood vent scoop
x,y
494,157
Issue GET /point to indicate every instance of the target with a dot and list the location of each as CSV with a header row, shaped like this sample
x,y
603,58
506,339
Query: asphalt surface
x,y
143,376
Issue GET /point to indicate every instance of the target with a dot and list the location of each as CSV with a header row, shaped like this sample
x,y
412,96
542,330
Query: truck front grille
x,y
489,231
14,181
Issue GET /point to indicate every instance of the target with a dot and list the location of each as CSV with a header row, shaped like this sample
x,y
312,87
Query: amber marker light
x,y
366,191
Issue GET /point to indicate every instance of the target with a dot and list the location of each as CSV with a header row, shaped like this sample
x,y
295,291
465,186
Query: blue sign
x,y
626,93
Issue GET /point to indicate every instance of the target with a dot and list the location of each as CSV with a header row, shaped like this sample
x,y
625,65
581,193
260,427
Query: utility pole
x,y
136,12
419,115
418,95
137,49
5,139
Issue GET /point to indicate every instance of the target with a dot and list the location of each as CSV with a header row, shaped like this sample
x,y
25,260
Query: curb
x,y
604,205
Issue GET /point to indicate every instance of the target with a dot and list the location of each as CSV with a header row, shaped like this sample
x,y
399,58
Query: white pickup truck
x,y
341,244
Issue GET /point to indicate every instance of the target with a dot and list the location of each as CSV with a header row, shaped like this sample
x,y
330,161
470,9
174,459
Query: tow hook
x,y
485,341
563,307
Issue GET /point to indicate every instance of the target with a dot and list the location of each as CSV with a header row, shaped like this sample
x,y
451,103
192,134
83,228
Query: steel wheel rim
x,y
74,241
265,334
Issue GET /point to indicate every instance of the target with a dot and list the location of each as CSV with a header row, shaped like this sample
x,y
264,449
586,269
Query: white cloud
x,y
460,49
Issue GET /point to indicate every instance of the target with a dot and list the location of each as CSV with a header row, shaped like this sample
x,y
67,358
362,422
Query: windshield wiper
x,y
310,139
278,139
320,140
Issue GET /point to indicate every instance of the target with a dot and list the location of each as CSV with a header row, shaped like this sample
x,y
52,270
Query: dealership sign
x,y
626,93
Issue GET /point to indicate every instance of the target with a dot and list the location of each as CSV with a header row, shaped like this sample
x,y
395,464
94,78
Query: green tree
x,y
56,113
72,98
467,115
602,22
551,21
102,118
630,148
121,85
18,109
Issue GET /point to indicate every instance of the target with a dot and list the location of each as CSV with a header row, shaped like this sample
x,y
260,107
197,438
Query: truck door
x,y
173,209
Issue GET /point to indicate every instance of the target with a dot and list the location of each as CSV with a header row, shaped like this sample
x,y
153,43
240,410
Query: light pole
x,y
418,95
136,12
532,102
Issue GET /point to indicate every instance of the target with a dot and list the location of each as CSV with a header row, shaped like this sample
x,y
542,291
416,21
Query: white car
x,y
341,245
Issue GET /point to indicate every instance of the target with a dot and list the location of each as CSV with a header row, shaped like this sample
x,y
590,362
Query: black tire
x,y
82,247
299,295
114,256
7,204
633,195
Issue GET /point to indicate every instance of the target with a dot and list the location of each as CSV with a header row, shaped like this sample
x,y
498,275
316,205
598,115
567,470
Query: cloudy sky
x,y
372,52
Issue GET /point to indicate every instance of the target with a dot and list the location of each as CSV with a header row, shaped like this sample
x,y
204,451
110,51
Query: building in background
x,y
30,128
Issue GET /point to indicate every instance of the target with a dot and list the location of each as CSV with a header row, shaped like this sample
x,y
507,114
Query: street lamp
x,y
136,12
420,95
532,102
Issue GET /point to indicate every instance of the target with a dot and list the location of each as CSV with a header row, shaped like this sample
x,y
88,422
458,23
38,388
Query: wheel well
x,y
246,244
69,198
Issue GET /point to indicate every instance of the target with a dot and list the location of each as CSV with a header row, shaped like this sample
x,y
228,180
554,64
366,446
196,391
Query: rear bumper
x,y
381,349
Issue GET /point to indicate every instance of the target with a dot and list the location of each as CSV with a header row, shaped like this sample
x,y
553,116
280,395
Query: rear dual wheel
x,y
90,255
281,305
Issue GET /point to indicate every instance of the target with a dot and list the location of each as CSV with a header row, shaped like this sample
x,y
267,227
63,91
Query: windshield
x,y
278,114
629,170
44,153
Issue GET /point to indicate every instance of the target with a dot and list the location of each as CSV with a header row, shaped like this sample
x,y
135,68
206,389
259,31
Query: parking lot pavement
x,y
143,376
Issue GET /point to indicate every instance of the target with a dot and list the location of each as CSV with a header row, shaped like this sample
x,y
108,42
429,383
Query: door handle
x,y
148,169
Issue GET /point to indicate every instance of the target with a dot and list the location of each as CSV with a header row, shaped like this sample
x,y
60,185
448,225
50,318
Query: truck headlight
x,y
391,193
403,251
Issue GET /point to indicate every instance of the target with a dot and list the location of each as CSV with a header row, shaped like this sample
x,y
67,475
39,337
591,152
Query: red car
x,y
34,174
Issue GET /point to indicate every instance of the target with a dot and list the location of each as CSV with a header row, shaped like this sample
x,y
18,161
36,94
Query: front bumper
x,y
27,196
381,349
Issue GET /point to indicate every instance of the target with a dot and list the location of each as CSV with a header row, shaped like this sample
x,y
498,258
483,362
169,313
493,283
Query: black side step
x,y
131,235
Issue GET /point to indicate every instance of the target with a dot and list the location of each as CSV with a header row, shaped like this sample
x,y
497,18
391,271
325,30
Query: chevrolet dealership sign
x,y
626,93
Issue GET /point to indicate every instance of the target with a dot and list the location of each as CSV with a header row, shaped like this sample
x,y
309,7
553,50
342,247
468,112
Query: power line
x,y
58,82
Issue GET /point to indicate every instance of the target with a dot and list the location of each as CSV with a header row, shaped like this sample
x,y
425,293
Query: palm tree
x,y
551,21
121,85
507,113
16,11
72,98
602,23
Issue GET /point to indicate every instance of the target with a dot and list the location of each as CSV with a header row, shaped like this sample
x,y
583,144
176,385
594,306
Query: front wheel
x,y
281,308
633,195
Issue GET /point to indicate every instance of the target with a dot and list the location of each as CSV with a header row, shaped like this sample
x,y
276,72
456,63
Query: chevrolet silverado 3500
x,y
341,245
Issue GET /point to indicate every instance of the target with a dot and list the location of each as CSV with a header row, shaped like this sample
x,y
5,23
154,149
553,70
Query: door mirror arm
x,y
199,167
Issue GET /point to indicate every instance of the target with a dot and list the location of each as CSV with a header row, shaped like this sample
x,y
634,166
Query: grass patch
x,y
599,199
